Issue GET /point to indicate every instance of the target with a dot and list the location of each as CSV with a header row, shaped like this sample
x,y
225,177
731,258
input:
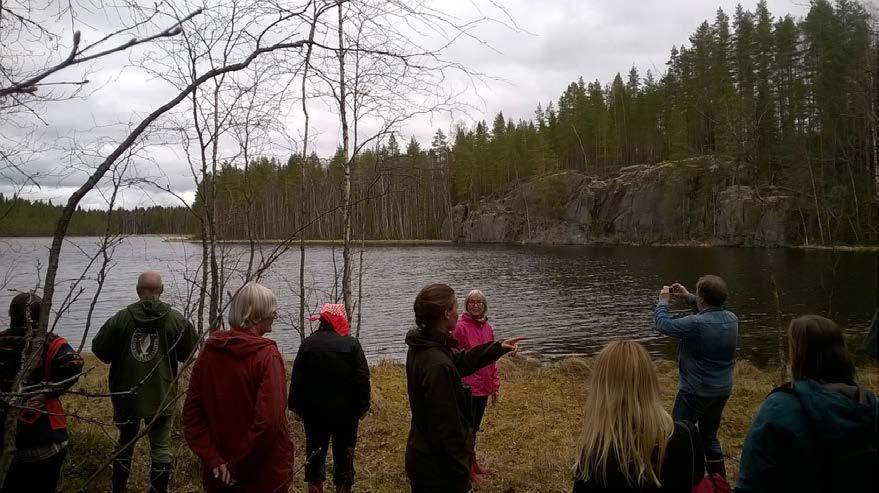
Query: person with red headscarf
x,y
330,391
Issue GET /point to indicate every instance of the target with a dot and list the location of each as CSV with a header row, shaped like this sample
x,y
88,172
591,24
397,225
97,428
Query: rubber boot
x,y
343,489
315,488
160,476
480,469
121,471
715,467
475,478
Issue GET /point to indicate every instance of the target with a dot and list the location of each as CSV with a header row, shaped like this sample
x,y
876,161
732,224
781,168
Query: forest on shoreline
x,y
789,99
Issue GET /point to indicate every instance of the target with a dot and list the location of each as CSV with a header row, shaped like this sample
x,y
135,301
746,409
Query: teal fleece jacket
x,y
811,437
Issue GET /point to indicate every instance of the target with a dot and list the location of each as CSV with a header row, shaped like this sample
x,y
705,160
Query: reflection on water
x,y
566,300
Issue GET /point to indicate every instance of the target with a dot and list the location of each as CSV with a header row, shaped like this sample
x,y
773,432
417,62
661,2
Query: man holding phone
x,y
706,357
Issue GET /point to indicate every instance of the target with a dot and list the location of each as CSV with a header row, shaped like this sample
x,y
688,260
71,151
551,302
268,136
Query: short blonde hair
x,y
252,303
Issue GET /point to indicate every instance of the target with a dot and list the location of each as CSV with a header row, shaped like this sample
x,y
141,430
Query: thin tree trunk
x,y
782,361
856,203
815,196
360,285
302,188
212,215
346,199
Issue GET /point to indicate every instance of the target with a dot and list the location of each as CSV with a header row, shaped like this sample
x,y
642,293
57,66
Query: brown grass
x,y
529,436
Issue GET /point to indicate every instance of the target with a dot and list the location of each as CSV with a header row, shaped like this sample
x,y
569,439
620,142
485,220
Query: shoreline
x,y
598,243
861,248
355,243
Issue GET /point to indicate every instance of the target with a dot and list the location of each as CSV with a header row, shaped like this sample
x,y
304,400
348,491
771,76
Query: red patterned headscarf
x,y
334,315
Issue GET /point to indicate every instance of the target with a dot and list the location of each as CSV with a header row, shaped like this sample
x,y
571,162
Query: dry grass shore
x,y
529,439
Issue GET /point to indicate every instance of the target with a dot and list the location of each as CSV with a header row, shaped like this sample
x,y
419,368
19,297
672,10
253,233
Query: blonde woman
x,y
629,442
235,415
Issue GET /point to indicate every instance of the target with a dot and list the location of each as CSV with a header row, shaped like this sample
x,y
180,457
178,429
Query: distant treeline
x,y
793,100
22,217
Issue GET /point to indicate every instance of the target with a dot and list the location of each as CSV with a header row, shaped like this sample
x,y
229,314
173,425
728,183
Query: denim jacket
x,y
707,350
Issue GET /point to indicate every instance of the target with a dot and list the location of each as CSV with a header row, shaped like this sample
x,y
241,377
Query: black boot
x,y
160,476
121,471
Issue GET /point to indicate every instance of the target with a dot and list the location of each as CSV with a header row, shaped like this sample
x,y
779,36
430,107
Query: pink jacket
x,y
470,333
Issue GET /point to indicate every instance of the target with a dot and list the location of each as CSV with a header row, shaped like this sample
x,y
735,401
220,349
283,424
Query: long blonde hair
x,y
625,422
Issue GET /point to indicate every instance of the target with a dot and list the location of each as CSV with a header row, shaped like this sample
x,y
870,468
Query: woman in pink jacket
x,y
472,330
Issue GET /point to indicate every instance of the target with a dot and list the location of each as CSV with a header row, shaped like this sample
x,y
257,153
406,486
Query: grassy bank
x,y
529,439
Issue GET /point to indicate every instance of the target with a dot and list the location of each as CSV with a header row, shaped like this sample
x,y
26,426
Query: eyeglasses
x,y
475,302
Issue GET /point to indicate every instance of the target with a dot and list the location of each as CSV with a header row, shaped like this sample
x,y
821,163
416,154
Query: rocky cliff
x,y
703,200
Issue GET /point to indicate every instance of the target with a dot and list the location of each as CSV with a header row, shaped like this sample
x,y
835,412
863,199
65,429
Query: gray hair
x,y
475,293
252,303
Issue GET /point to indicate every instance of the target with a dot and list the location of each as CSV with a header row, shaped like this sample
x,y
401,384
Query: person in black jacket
x,y
439,452
629,442
330,391
41,429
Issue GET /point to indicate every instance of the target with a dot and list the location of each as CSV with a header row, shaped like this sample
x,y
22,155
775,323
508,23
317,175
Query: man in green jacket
x,y
143,344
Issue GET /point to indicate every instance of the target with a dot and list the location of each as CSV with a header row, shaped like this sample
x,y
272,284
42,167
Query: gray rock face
x,y
700,200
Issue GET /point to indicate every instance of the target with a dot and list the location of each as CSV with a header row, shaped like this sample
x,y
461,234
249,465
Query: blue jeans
x,y
705,413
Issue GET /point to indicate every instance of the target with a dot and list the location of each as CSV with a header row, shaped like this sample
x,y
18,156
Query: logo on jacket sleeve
x,y
144,345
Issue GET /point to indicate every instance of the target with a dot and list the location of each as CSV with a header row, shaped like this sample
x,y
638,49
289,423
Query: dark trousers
x,y
35,477
318,434
159,436
704,412
479,404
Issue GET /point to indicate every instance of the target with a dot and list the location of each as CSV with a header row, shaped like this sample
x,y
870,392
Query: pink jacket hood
x,y
471,333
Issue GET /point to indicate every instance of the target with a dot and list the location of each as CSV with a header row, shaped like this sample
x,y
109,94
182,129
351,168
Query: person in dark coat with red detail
x,y
439,452
234,417
329,390
41,429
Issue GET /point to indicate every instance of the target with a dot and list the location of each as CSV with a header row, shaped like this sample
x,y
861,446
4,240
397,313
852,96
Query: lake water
x,y
566,300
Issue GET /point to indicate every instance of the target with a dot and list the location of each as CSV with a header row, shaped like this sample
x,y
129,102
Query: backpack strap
x,y
688,426
786,387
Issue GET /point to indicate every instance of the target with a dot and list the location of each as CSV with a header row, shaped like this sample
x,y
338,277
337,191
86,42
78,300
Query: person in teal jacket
x,y
819,433
143,344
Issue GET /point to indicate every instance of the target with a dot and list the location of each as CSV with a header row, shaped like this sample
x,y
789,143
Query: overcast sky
x,y
558,41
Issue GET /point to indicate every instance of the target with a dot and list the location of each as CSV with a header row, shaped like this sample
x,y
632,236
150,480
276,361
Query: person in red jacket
x,y
234,417
472,330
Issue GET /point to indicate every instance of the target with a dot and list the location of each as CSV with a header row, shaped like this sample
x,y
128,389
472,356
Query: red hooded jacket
x,y
235,412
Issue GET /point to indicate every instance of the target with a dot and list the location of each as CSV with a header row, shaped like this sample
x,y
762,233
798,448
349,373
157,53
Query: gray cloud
x,y
559,41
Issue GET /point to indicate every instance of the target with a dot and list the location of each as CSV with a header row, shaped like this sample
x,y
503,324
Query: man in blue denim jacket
x,y
706,357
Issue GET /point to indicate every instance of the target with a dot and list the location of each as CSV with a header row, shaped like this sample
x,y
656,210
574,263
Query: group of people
x,y
817,433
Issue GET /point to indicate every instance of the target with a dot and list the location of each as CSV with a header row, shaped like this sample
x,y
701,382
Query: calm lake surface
x,y
566,300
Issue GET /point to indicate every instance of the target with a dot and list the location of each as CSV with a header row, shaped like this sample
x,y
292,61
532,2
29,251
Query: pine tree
x,y
723,89
743,40
764,117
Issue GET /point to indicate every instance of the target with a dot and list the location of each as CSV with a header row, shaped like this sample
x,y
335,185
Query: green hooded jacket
x,y
143,345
